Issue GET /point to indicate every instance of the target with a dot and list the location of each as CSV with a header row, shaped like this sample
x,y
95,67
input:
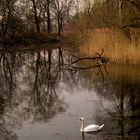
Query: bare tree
x,y
6,11
61,10
48,16
36,17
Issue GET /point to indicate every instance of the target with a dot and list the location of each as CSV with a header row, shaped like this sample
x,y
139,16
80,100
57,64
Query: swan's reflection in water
x,y
91,135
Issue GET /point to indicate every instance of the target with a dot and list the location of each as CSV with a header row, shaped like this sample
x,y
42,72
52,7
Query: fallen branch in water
x,y
84,58
100,60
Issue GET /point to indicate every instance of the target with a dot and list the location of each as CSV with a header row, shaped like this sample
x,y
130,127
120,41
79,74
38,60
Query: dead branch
x,y
84,58
99,58
100,54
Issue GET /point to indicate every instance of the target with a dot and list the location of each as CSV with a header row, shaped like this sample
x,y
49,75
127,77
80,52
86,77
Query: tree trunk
x,y
4,23
48,17
120,11
60,22
36,17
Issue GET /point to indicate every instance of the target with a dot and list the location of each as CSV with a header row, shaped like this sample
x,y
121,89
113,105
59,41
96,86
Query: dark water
x,y
43,95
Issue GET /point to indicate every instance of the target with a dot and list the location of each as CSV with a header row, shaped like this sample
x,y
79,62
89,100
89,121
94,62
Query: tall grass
x,y
116,46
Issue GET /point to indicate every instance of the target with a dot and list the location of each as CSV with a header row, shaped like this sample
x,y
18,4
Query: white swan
x,y
89,128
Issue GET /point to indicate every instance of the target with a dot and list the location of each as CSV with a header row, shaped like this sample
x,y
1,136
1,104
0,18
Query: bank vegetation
x,y
90,25
110,25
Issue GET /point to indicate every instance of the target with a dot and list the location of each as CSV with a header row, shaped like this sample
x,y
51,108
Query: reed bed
x,y
117,47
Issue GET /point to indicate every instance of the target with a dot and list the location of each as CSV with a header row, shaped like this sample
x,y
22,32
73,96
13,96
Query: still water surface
x,y
43,95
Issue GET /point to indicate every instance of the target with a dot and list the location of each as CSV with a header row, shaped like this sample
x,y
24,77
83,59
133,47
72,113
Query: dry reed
x,y
117,47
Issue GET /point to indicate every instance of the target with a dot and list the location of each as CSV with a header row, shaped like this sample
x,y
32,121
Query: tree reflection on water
x,y
30,90
122,114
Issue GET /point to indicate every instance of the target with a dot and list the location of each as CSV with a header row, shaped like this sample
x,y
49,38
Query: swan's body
x,y
90,128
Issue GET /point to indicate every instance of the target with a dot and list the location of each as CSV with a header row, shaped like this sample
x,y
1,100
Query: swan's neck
x,y
82,126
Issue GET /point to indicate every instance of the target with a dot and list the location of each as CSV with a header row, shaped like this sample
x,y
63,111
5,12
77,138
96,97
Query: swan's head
x,y
82,119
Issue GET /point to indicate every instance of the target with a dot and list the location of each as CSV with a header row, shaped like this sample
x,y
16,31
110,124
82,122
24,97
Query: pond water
x,y
44,93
